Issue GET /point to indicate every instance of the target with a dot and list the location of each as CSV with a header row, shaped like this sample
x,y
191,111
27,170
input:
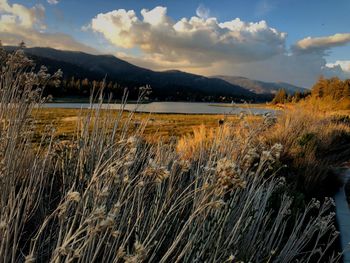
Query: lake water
x,y
170,107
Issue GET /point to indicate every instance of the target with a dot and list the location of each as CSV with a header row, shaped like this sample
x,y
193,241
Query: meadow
x,y
155,126
106,186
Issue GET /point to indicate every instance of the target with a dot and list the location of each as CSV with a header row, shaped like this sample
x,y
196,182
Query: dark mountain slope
x,y
170,85
261,87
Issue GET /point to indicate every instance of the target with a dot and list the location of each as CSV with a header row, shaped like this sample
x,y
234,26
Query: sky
x,y
293,41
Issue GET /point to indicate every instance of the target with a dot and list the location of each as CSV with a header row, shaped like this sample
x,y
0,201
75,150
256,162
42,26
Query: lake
x,y
170,107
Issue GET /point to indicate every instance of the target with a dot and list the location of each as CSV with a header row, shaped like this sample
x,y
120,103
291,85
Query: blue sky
x,y
245,47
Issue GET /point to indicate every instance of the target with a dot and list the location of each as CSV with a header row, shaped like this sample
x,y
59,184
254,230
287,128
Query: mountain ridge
x,y
261,87
166,85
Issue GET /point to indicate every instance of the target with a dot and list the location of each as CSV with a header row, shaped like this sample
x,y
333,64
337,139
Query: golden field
x,y
163,126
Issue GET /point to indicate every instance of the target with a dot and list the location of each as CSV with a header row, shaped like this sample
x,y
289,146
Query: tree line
x,y
333,89
77,87
282,97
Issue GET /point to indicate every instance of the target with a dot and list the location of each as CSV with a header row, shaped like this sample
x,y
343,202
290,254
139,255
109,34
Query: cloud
x,y
263,7
19,23
33,38
343,64
204,45
53,2
193,40
21,15
321,44
199,44
202,11
299,69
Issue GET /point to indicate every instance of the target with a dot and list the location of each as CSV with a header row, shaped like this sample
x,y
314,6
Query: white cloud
x,y
155,17
204,45
320,44
53,2
19,23
86,28
202,11
195,40
343,64
33,38
21,15
199,44
302,70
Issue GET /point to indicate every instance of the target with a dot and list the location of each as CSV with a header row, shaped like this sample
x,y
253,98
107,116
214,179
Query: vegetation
x,y
331,94
82,88
282,97
333,88
107,195
314,142
156,126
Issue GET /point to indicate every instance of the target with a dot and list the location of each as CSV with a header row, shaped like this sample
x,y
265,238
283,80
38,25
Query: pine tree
x,y
2,54
297,97
280,97
318,89
22,45
346,89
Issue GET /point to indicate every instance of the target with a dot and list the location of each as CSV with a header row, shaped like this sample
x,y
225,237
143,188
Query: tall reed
x,y
109,196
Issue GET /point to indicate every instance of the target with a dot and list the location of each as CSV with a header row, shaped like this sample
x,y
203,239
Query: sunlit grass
x,y
164,126
103,193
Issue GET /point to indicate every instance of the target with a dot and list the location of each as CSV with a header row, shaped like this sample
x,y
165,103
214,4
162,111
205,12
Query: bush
x,y
313,143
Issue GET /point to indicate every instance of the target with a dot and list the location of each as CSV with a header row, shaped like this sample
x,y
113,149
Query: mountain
x,y
166,85
261,87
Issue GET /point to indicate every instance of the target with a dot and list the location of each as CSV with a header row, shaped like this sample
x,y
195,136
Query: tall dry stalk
x,y
24,171
108,196
313,141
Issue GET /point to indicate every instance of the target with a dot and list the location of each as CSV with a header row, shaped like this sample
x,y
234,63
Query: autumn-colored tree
x,y
280,97
318,89
297,97
346,89
333,88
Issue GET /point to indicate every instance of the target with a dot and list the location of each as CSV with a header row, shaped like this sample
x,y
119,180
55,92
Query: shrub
x,y
312,142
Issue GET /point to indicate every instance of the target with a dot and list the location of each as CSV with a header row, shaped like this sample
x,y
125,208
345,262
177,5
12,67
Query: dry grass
x,y
109,196
158,126
313,141
249,106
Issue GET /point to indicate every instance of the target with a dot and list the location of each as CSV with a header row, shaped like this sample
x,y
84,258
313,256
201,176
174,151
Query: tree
x,y
2,54
335,89
297,97
318,89
280,97
346,89
22,45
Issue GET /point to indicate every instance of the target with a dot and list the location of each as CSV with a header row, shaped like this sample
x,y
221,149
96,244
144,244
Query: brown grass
x,y
158,126
314,141
107,195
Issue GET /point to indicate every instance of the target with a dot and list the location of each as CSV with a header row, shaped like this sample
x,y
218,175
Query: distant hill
x,y
167,85
261,87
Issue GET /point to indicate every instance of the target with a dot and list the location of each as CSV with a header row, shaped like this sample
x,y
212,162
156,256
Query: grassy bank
x,y
249,106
